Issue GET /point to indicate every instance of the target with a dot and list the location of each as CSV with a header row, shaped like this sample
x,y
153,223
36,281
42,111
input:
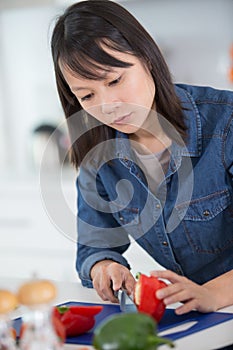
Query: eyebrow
x,y
76,88
104,76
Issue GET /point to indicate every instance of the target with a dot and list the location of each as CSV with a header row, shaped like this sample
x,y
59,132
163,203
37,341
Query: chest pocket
x,y
129,220
208,223
128,216
205,208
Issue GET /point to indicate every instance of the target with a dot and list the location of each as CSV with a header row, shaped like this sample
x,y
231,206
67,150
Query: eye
x,y
114,82
86,98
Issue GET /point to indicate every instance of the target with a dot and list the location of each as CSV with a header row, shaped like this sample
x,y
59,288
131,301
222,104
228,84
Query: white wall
x,y
29,94
195,36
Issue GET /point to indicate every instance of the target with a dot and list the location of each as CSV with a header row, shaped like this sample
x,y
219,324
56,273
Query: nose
x,y
110,108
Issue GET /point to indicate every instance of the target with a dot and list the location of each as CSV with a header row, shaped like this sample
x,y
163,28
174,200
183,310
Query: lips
x,y
122,120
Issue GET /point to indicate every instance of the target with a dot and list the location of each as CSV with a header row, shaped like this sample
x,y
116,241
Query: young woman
x,y
155,160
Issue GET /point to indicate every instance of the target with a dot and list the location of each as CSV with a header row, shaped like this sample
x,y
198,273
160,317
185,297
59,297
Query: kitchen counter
x,y
211,338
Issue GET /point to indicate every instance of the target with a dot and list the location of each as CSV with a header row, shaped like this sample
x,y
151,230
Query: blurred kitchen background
x,y
196,37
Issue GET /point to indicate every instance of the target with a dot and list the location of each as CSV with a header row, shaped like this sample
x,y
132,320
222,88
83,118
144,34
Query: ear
x,y
149,65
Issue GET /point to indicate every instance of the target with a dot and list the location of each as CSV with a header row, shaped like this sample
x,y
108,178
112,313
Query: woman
x,y
155,160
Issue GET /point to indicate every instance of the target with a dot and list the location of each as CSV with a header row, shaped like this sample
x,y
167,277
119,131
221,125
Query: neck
x,y
150,138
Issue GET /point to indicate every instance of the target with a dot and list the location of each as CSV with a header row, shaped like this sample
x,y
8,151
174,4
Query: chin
x,y
127,128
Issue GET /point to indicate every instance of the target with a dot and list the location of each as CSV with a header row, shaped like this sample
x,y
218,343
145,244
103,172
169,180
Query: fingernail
x,y
115,293
159,294
154,273
178,312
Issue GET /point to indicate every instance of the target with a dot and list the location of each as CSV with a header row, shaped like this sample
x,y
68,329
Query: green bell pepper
x,y
128,331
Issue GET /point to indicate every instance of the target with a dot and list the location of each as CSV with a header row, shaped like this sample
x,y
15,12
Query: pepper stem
x,y
62,309
155,340
137,275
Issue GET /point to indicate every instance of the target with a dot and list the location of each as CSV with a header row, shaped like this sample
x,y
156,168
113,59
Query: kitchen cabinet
x,y
29,241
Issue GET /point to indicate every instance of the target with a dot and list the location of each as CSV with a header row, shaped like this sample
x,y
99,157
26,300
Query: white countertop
x,y
209,339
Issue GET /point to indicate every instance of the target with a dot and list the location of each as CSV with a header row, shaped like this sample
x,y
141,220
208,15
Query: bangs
x,y
91,60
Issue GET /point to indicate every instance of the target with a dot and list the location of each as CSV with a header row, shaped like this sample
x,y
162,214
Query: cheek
x,y
148,96
141,88
95,111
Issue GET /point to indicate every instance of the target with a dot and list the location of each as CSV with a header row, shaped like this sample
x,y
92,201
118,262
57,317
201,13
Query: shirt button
x,y
158,206
121,218
206,213
165,243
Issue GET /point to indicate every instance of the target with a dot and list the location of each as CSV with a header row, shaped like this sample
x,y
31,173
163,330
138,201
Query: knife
x,y
126,301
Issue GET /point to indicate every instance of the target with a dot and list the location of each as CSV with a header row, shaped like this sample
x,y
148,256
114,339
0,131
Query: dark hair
x,y
77,41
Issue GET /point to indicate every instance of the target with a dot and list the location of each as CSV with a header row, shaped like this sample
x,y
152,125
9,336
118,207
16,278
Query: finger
x,y
107,293
117,281
103,285
169,275
185,308
169,290
101,294
181,297
101,291
113,273
120,276
129,284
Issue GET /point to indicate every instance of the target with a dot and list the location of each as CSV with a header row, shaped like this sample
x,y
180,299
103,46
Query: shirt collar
x,y
193,122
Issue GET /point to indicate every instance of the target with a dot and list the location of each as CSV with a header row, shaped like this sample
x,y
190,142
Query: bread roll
x,y
8,301
37,292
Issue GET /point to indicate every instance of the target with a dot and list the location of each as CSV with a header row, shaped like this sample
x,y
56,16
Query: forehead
x,y
96,70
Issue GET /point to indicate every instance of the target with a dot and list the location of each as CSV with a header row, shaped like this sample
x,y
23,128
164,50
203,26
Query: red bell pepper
x,y
59,329
77,319
145,297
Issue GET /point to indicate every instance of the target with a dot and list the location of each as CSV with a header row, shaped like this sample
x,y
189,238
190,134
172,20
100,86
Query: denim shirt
x,y
187,226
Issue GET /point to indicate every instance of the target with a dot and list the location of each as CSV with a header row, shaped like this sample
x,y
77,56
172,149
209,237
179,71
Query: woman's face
x,y
122,99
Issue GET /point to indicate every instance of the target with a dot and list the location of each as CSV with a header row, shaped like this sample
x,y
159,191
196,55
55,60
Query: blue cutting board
x,y
170,319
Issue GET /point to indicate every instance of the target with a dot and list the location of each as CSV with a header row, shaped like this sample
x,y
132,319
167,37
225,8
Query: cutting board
x,y
169,320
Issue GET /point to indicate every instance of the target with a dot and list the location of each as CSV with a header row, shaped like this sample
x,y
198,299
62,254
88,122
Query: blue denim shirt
x,y
187,226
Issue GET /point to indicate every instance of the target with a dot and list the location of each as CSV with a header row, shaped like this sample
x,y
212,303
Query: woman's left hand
x,y
193,296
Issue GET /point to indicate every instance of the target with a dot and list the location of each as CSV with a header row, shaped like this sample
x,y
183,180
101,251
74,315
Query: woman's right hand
x,y
108,277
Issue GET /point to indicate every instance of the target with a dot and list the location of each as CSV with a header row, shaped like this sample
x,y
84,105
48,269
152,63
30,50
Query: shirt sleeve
x,y
229,150
100,237
84,265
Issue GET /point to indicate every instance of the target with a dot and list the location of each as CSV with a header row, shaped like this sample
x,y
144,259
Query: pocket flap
x,y
204,208
128,216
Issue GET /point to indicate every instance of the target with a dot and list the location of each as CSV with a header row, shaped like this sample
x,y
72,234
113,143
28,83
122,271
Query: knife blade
x,y
126,302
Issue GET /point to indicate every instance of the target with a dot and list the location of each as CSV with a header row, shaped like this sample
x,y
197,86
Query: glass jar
x,y
7,341
38,330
